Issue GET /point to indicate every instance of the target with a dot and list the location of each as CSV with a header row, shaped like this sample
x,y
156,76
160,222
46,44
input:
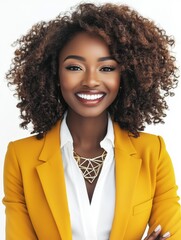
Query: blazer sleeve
x,y
166,209
18,223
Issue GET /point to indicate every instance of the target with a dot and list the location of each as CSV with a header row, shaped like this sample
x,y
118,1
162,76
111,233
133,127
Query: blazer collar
x,y
51,143
127,167
123,140
51,174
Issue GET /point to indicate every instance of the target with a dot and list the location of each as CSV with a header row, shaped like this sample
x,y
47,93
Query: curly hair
x,y
142,49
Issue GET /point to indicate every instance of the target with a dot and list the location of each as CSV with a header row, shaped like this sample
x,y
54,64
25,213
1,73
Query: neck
x,y
87,132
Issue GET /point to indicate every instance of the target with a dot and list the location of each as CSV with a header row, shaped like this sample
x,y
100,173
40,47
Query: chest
x,y
90,188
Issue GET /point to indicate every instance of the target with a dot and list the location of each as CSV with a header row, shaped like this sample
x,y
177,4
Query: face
x,y
89,76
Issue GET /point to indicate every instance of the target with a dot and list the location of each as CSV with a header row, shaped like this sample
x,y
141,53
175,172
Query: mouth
x,y
90,98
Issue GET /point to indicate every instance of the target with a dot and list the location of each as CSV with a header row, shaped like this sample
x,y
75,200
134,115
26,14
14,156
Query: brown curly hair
x,y
143,51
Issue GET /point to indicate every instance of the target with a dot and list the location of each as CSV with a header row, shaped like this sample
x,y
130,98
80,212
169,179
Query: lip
x,y
90,98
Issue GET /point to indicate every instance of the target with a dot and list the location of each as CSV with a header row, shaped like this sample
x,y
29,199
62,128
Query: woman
x,y
88,83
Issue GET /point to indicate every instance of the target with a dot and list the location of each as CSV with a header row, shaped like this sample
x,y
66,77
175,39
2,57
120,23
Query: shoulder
x,y
149,144
147,139
22,150
146,142
27,143
31,147
32,142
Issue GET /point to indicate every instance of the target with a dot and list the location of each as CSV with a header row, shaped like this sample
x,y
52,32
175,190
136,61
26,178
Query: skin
x,y
156,234
87,69
87,66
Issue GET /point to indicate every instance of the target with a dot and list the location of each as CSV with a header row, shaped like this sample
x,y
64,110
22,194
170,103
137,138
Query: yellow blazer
x,y
35,192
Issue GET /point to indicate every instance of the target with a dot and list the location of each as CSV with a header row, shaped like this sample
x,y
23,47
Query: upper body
x,y
35,192
99,61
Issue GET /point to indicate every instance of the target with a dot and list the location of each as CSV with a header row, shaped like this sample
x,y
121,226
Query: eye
x,y
73,68
107,69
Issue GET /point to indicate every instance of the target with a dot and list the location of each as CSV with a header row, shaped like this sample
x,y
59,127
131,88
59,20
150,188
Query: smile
x,y
90,99
90,96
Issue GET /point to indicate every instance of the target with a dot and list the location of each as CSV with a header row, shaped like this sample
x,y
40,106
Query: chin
x,y
91,113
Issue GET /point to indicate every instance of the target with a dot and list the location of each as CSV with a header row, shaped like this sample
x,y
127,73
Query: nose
x,y
91,79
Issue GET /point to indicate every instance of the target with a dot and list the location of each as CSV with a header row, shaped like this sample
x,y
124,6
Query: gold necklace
x,y
90,167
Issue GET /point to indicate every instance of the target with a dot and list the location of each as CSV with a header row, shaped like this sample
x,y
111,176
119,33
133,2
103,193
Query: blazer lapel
x,y
127,172
51,175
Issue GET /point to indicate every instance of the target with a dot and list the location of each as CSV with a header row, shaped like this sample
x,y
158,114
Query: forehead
x,y
86,44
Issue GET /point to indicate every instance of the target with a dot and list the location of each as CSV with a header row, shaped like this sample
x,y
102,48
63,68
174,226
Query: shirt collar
x,y
66,136
108,140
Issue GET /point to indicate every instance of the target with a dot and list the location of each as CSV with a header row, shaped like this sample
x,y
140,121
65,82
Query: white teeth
x,y
90,96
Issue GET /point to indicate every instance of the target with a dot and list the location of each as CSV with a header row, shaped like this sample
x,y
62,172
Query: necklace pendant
x,y
90,167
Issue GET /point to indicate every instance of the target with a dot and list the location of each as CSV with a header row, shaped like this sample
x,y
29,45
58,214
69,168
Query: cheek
x,y
114,84
68,80
64,80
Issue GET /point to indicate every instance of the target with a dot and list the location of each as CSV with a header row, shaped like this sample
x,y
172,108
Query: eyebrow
x,y
84,60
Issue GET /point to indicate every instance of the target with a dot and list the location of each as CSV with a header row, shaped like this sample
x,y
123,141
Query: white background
x,y
17,16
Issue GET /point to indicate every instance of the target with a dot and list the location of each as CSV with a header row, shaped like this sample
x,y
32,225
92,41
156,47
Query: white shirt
x,y
89,221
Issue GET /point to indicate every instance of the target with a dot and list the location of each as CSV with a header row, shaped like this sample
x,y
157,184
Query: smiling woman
x,y
88,82
87,61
